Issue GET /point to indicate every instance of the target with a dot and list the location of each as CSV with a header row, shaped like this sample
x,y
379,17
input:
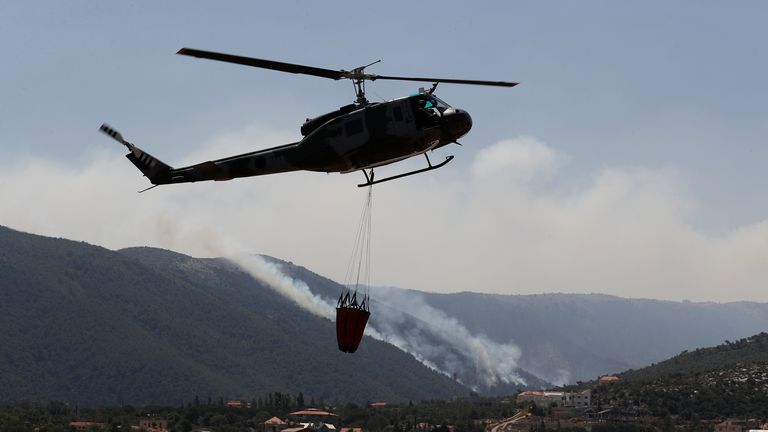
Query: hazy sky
x,y
630,160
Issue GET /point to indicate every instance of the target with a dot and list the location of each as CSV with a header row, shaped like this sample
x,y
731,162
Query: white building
x,y
578,399
544,399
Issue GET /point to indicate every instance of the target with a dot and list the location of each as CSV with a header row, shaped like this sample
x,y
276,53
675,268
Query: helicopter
x,y
356,137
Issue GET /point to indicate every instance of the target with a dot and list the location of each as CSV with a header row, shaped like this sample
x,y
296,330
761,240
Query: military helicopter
x,y
356,137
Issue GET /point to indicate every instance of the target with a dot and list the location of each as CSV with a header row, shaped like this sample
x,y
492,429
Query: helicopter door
x,y
355,134
400,112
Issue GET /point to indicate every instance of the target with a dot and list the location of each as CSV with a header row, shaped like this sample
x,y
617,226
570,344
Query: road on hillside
x,y
506,423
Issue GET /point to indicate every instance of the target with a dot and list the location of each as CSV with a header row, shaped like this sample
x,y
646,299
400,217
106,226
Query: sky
x,y
629,161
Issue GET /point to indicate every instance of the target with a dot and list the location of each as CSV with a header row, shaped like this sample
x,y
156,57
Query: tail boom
x,y
269,161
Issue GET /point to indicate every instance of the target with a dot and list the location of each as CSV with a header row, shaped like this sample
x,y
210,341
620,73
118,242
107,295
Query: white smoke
x,y
559,377
407,321
438,341
293,289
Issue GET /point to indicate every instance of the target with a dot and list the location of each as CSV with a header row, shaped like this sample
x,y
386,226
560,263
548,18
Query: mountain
x,y
726,381
142,325
577,337
739,353
564,338
85,324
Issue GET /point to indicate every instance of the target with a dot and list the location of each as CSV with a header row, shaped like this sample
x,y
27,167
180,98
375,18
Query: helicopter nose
x,y
457,121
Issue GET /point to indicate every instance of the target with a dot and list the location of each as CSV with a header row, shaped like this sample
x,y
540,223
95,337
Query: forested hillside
x,y
142,325
84,324
728,380
746,351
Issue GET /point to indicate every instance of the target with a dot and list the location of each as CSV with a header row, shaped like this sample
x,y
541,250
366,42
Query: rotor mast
x,y
358,78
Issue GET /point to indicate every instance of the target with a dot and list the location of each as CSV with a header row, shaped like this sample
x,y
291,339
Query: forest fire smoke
x,y
405,320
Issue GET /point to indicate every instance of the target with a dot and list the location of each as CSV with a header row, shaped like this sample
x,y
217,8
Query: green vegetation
x,y
95,327
749,350
738,390
56,416
729,380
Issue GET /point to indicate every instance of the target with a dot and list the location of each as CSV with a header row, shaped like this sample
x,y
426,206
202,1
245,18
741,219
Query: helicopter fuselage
x,y
378,134
359,136
355,137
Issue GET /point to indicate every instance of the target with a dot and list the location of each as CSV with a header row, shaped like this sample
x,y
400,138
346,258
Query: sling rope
x,y
358,276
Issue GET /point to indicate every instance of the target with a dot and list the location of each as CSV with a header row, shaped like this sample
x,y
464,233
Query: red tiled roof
x,y
313,412
532,393
378,404
609,378
275,420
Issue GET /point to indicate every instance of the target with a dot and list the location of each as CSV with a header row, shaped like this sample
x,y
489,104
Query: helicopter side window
x,y
353,127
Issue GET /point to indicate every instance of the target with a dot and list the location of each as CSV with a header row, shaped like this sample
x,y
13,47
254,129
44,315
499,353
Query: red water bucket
x,y
350,325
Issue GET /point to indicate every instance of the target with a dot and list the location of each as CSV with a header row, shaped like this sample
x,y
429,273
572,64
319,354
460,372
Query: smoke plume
x,y
405,320
292,289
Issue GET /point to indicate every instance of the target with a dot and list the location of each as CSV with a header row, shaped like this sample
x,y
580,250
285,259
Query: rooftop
x,y
313,412
275,421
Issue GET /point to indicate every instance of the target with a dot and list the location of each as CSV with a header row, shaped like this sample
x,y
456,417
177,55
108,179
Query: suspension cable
x,y
359,268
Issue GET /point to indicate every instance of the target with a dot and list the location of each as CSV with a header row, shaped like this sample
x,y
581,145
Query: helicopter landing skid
x,y
369,179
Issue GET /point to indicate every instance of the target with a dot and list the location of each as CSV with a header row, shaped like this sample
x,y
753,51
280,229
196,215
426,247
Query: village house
x,y
311,427
544,399
311,419
275,424
314,416
237,404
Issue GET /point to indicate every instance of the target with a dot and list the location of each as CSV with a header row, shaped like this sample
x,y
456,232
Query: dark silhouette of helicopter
x,y
355,137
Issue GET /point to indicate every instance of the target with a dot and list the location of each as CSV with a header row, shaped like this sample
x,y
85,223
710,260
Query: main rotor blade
x,y
443,80
261,63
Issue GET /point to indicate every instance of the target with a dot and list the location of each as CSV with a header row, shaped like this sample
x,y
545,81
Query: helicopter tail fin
x,y
155,170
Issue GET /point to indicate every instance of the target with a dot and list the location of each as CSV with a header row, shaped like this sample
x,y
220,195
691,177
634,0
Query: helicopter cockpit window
x,y
440,104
